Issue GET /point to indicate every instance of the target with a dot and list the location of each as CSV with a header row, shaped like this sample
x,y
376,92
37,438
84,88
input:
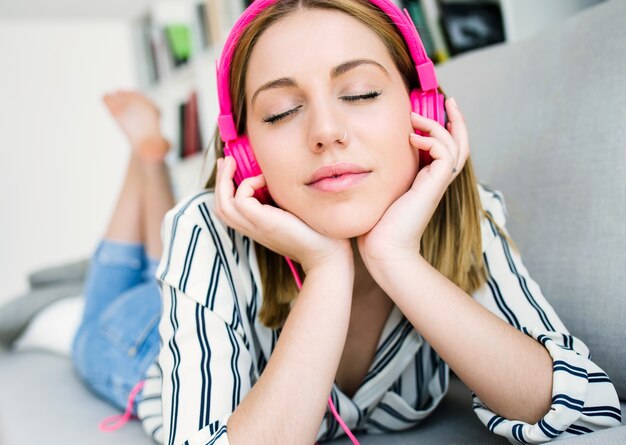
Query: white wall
x,y
63,158
31,9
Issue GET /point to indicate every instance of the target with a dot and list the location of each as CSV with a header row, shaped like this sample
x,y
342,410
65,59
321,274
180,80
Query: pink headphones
x,y
426,100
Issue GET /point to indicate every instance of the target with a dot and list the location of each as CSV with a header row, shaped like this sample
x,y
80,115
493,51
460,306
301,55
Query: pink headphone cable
x,y
331,405
117,421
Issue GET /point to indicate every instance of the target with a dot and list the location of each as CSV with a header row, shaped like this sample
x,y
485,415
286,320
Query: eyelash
x,y
278,117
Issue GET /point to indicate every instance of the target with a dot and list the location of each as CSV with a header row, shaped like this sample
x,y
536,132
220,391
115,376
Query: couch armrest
x,y
72,272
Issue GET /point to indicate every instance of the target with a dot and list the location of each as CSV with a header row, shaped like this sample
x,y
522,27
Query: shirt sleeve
x,y
205,357
583,398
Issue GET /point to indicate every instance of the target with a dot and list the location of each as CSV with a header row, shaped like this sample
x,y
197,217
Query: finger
x,y
225,190
432,128
240,207
227,175
249,185
245,201
263,221
436,149
458,129
218,187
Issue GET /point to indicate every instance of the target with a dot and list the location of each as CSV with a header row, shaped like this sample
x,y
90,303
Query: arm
x,y
288,402
509,346
201,387
582,399
479,344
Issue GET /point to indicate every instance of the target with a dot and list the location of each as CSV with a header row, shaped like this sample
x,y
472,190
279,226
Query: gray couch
x,y
547,120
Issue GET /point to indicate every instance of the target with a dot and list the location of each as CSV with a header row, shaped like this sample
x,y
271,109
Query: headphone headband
x,y
423,65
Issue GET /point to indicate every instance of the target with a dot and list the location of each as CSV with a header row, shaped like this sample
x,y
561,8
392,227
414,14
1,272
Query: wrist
x,y
339,261
389,270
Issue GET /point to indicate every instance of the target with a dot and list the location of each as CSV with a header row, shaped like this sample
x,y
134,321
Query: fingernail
x,y
453,102
219,163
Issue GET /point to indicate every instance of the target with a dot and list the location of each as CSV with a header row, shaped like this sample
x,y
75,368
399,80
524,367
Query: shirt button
x,y
132,352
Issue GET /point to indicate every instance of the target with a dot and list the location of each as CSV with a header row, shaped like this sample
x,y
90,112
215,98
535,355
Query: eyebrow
x,y
334,73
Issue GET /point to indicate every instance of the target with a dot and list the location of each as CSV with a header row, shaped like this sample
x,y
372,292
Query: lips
x,y
335,171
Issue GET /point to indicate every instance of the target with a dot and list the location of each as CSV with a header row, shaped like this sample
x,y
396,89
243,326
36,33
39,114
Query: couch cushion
x,y
44,402
546,118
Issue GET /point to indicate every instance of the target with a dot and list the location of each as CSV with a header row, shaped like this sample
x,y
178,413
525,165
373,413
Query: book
x,y
144,50
181,130
189,134
419,19
178,37
441,52
192,126
222,17
470,26
202,26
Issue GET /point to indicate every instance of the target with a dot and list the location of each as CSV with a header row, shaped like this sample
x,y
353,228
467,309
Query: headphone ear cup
x,y
247,165
431,105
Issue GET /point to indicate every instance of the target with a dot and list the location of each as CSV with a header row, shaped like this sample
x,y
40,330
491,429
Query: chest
x,y
366,326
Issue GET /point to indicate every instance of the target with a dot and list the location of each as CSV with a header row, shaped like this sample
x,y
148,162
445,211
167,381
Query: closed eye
x,y
275,118
366,96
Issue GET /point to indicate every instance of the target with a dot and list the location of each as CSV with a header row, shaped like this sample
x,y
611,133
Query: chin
x,y
344,226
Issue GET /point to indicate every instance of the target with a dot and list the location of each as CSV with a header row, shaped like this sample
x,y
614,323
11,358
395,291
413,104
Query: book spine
x,y
417,15
182,141
441,53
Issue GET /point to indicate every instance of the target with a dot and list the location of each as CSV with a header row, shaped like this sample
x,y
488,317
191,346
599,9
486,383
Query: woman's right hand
x,y
275,228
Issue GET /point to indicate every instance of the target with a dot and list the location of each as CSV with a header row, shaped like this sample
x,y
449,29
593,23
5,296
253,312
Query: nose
x,y
326,127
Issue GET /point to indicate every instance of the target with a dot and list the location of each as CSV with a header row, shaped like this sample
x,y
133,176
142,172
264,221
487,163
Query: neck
x,y
365,287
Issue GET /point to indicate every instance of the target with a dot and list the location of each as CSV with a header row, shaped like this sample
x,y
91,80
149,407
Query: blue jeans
x,y
118,338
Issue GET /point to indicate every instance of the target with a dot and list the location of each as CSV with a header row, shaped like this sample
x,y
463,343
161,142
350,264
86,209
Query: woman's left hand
x,y
397,235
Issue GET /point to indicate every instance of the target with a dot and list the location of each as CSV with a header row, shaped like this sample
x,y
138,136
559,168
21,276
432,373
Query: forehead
x,y
312,39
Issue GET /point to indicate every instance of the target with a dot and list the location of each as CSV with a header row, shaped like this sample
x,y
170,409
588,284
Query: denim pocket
x,y
130,322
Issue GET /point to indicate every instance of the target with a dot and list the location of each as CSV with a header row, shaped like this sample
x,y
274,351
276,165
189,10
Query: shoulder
x,y
493,202
193,214
494,213
202,256
190,208
192,237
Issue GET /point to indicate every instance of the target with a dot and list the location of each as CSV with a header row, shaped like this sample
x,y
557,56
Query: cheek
x,y
279,170
396,154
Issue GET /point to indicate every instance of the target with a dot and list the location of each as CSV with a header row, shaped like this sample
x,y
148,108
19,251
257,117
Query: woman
x,y
407,268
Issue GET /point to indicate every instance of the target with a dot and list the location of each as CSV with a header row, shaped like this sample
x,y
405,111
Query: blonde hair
x,y
452,240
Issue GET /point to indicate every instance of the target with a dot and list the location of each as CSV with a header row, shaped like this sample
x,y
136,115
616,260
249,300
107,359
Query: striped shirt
x,y
214,346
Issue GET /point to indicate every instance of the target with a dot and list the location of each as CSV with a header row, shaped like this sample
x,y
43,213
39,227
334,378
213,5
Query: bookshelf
x,y
176,44
452,27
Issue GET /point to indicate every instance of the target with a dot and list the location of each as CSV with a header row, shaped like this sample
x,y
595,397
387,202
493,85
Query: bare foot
x,y
138,118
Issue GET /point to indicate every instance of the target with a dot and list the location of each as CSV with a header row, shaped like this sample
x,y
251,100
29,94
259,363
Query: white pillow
x,y
53,329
